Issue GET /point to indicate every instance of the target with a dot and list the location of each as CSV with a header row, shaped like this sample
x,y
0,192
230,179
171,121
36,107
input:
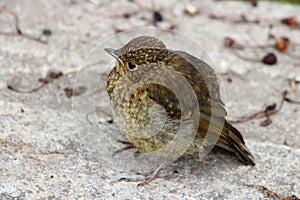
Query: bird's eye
x,y
131,66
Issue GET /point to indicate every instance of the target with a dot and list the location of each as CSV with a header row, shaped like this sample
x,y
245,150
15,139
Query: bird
x,y
157,93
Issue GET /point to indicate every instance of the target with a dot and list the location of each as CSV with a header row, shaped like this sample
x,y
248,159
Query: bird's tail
x,y
232,140
227,137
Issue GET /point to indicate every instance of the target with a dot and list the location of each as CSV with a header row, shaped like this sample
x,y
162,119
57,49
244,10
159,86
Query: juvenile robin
x,y
153,90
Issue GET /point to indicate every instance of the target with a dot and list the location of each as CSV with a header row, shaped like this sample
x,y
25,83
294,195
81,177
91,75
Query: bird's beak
x,y
114,53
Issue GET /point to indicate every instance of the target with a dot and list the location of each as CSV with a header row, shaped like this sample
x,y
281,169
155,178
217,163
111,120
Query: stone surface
x,y
42,152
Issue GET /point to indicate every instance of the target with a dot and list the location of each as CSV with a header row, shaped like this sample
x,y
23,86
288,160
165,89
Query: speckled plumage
x,y
148,113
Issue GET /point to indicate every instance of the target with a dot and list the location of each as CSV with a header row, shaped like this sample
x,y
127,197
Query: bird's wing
x,y
166,98
203,80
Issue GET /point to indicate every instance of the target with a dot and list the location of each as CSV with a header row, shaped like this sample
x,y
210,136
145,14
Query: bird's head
x,y
139,55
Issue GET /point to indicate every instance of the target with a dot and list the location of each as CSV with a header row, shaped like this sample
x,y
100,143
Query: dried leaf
x,y
69,92
291,21
282,44
191,10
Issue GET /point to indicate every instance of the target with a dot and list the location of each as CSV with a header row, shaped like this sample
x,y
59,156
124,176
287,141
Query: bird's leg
x,y
147,178
129,145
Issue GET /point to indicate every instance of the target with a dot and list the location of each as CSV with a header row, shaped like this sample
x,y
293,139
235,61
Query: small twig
x,y
271,193
233,44
267,112
10,87
241,19
17,28
234,51
281,44
24,35
50,152
51,76
269,59
291,101
156,16
81,68
41,163
292,55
